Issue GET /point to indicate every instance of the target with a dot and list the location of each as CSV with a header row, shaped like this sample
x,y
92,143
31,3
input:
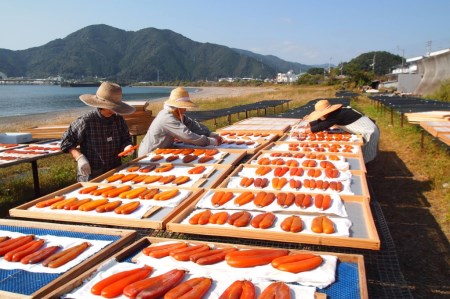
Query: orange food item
x,y
166,179
205,158
184,253
276,289
133,168
293,224
156,158
62,258
14,243
115,192
285,200
160,251
154,287
108,207
242,289
239,219
92,205
196,217
219,218
263,220
128,177
60,204
76,204
149,193
126,152
181,180
193,288
18,253
196,170
189,158
253,257
246,182
87,189
244,198
100,191
295,184
40,255
49,202
164,168
166,195
114,177
221,197
322,224
116,288
296,263
127,208
99,286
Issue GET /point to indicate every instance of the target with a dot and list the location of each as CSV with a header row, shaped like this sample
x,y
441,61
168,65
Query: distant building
x,y
226,79
288,77
423,74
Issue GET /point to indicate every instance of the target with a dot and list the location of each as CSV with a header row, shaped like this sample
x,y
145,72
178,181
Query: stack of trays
x,y
310,191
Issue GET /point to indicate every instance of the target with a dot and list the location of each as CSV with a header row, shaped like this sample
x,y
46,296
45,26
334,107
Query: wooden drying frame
x,y
127,236
131,250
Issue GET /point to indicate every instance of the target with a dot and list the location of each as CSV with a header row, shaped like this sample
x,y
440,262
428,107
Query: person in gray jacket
x,y
171,123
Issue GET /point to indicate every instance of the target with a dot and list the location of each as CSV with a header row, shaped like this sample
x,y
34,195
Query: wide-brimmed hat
x,y
108,96
179,98
321,108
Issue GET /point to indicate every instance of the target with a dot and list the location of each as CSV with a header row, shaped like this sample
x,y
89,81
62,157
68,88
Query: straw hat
x,y
108,96
179,98
321,108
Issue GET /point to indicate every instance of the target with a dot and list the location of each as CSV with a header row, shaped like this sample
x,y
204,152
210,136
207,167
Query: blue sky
x,y
309,32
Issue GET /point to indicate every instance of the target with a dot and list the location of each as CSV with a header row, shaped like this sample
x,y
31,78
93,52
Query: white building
x,y
423,74
288,77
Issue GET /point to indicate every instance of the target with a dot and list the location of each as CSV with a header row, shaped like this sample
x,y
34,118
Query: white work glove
x,y
126,148
217,137
213,141
84,168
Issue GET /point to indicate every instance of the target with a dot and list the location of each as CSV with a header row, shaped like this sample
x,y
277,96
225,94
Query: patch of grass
x,y
430,164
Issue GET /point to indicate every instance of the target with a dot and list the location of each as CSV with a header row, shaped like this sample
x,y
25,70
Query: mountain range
x,y
102,51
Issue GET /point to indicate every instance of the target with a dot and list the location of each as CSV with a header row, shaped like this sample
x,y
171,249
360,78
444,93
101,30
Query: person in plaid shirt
x,y
96,138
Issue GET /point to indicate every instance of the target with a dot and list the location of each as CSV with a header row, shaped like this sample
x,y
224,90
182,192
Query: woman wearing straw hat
x,y
101,134
326,115
171,123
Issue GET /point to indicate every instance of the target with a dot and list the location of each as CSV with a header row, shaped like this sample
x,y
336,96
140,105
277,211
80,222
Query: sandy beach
x,y
21,123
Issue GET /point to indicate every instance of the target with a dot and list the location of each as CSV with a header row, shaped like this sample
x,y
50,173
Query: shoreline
x,y
21,122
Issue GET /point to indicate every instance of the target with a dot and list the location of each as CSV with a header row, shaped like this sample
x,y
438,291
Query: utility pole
x,y
428,48
373,63
329,65
403,55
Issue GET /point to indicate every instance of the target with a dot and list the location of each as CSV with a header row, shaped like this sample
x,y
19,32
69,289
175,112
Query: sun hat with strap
x,y
179,98
108,96
321,108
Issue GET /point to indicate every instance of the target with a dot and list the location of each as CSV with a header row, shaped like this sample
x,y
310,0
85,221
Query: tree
x,y
316,71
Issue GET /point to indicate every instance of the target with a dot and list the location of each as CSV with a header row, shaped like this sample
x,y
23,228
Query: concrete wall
x,y
435,70
408,83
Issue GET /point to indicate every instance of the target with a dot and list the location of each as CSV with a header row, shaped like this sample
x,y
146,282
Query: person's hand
x,y
213,141
84,168
128,150
218,138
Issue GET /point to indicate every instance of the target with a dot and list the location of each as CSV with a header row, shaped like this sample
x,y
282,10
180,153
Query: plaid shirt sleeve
x,y
100,139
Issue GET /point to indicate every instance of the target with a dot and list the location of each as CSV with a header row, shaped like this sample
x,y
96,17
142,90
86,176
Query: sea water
x,y
16,100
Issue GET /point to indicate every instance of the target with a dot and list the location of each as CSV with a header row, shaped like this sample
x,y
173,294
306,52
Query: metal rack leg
x,y
37,188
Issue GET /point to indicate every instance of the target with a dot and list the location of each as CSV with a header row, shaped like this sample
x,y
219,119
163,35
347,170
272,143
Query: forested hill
x,y
145,55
